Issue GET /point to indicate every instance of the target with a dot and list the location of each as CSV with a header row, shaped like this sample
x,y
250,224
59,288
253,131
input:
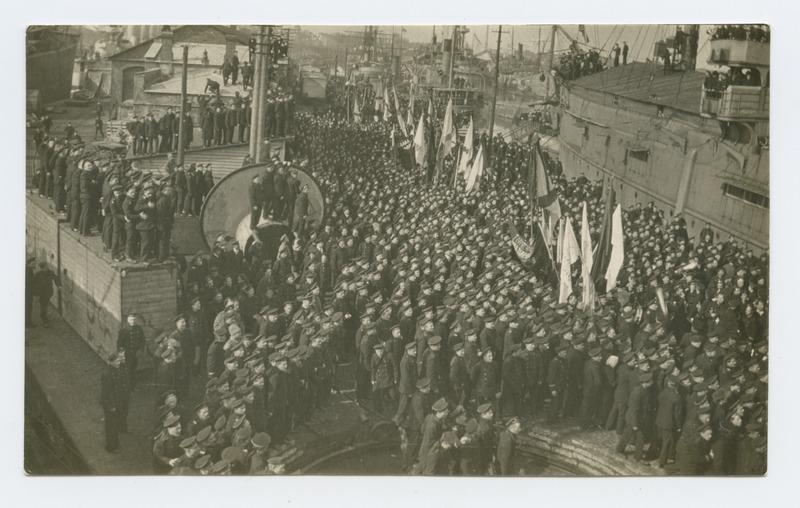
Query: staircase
x,y
223,159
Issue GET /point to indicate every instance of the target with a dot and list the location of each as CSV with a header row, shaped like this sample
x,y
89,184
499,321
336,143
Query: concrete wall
x,y
90,292
97,295
42,235
152,294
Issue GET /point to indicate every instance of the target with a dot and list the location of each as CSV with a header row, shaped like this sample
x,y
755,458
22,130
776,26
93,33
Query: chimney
x,y
230,45
447,54
396,66
165,55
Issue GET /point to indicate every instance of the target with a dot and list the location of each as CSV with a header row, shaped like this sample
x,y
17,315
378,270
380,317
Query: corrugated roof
x,y
646,82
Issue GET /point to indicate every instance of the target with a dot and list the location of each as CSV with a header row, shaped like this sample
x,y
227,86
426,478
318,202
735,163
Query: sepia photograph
x,y
531,250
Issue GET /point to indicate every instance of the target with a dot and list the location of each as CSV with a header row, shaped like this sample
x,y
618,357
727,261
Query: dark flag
x,y
602,255
405,153
539,188
534,256
542,193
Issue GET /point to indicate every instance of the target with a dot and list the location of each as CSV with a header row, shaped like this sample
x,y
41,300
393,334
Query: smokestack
x,y
167,40
396,66
447,54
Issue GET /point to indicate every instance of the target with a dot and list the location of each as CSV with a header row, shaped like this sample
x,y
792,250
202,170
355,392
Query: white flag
x,y
588,261
387,114
617,249
570,253
356,108
420,143
400,119
475,171
467,151
447,141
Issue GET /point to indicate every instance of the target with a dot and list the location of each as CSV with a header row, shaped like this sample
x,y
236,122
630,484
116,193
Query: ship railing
x,y
743,101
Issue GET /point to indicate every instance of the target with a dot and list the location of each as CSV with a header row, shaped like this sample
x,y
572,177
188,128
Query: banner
x,y
521,248
535,255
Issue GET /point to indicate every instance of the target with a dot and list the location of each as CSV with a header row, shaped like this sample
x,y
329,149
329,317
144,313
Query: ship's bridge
x,y
740,90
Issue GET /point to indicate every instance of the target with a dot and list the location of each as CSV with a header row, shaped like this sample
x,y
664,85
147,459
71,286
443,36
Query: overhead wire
x,y
634,45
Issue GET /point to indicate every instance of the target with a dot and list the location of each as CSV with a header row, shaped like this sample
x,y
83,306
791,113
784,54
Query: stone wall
x,y
90,292
587,453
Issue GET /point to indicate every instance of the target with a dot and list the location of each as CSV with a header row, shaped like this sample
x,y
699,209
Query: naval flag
x,y
569,254
587,257
475,171
617,249
420,143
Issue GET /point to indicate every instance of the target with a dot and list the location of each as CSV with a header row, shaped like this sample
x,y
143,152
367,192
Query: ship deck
x,y
646,82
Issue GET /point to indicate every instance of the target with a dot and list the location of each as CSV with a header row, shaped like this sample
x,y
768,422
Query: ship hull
x,y
678,160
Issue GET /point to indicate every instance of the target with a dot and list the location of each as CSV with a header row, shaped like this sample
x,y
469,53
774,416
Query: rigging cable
x,y
634,45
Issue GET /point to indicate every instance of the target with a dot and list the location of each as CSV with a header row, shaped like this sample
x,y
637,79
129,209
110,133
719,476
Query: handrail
x,y
736,101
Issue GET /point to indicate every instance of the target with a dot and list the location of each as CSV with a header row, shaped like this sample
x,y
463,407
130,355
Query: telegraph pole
x,y
257,106
262,93
550,65
496,86
182,123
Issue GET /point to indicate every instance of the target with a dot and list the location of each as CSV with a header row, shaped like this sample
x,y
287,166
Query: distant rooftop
x,y
678,90
198,38
196,83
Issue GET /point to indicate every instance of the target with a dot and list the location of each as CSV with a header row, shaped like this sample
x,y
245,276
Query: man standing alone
x,y
114,395
45,278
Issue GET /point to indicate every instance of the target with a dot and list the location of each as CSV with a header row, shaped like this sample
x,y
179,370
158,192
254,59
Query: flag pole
x,y
457,160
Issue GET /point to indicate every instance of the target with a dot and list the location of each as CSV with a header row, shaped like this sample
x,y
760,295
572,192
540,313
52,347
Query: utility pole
x,y
550,65
496,86
267,63
257,107
539,45
346,86
182,123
